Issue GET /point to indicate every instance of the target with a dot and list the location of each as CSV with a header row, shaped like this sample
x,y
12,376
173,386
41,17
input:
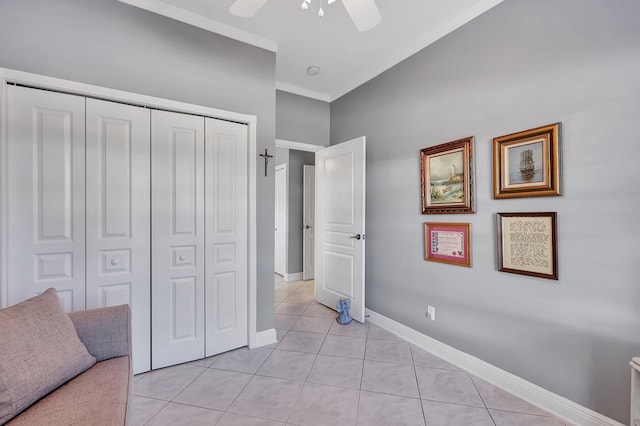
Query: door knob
x,y
308,227
356,237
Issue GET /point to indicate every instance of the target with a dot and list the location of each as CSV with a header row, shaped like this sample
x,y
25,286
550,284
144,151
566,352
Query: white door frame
x,y
285,219
308,214
8,76
298,146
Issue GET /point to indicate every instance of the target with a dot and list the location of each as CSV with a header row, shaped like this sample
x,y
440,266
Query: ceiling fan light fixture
x,y
364,13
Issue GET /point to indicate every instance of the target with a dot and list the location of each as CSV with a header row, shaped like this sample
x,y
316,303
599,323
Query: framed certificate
x,y
448,243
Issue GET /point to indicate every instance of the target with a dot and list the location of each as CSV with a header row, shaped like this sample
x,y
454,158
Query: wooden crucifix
x,y
266,157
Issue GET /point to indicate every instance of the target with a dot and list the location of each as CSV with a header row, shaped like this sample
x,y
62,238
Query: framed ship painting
x,y
527,164
447,177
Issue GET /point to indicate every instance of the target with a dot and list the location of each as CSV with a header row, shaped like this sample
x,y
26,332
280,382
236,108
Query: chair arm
x,y
106,332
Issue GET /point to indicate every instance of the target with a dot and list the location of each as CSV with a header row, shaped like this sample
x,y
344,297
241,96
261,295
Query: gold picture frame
x,y
527,164
447,177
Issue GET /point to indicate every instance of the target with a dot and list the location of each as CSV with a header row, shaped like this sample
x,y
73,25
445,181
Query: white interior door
x,y
118,216
177,223
340,225
280,249
308,234
46,190
226,222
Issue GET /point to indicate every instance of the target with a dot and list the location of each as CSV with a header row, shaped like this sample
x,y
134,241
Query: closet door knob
x,y
114,262
181,258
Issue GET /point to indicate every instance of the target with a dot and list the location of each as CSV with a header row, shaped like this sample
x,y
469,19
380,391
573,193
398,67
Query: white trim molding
x,y
253,232
4,223
200,21
555,404
284,167
296,276
299,146
290,88
264,338
82,89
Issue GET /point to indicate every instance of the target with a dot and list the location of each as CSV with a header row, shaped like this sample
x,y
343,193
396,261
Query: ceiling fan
x,y
364,13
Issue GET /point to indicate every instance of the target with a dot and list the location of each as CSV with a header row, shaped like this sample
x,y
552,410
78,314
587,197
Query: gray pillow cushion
x,y
39,351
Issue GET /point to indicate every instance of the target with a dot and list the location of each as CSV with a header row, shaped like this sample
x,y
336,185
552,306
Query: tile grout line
x,y
305,380
254,374
176,395
481,398
413,361
157,412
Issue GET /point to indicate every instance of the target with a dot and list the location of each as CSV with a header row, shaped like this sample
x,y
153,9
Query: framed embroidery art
x,y
527,244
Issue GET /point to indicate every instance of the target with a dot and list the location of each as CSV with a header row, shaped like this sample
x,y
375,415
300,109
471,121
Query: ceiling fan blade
x,y
246,8
364,13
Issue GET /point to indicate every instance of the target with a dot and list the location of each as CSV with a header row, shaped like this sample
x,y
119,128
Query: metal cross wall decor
x,y
266,157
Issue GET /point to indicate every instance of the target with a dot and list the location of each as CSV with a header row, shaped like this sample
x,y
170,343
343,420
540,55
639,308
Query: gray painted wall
x,y
521,65
306,120
301,119
297,159
110,44
282,156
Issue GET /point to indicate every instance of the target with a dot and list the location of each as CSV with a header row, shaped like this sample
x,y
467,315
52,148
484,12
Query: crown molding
x,y
290,88
200,21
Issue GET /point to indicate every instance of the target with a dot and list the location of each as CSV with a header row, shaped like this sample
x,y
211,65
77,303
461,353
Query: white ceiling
x,y
346,57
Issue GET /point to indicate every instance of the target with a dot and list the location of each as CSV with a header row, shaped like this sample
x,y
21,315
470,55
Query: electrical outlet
x,y
431,312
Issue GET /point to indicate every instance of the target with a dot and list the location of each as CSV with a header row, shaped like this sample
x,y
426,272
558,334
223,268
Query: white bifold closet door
x,y
78,198
118,216
177,218
226,223
112,204
199,246
45,185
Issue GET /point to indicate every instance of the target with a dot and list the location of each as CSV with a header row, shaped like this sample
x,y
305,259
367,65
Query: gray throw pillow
x,y
39,351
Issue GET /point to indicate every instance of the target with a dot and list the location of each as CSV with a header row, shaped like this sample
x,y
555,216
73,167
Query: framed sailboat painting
x,y
447,177
527,164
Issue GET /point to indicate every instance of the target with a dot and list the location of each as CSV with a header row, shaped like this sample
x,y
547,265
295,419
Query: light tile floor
x,y
324,373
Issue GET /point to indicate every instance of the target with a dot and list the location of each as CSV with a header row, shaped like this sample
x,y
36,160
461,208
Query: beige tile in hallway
x,y
324,373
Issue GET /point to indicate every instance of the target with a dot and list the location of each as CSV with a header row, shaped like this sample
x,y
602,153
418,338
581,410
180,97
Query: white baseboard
x,y
297,276
555,404
264,338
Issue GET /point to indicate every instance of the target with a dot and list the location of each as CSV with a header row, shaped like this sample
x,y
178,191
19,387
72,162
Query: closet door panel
x,y
226,177
46,148
178,238
118,216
